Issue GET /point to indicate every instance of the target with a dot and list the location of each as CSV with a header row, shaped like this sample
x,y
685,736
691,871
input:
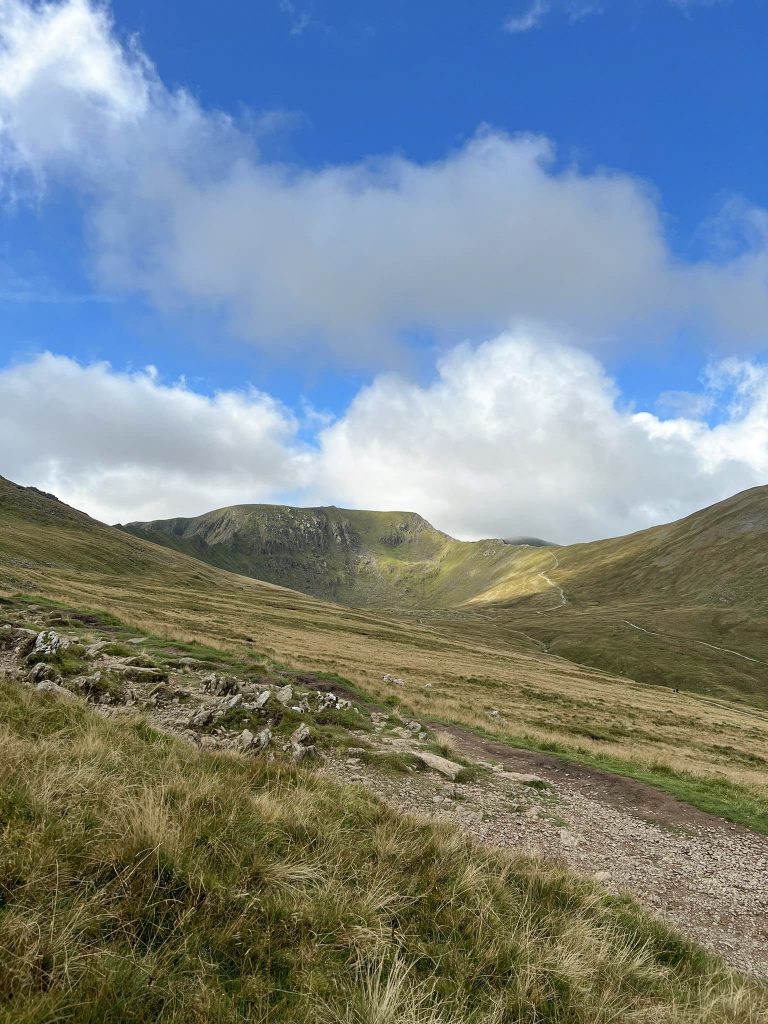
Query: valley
x,y
682,605
476,730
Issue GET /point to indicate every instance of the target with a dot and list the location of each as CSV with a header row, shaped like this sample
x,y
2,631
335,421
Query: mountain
x,y
681,605
363,559
684,604
491,666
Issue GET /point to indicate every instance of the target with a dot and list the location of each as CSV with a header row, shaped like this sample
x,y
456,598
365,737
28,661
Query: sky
x,y
505,267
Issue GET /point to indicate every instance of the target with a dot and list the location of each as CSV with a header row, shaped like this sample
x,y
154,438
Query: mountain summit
x,y
360,558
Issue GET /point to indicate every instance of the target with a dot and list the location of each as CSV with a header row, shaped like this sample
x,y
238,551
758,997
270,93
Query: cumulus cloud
x,y
526,435
523,434
182,208
127,446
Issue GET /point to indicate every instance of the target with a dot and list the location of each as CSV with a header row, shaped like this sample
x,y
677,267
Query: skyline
x,y
241,262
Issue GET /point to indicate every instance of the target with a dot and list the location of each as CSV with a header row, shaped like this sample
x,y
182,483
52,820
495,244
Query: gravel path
x,y
706,877
703,875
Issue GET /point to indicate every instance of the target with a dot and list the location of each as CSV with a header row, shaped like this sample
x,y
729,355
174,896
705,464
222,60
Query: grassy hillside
x,y
716,756
363,559
144,880
655,605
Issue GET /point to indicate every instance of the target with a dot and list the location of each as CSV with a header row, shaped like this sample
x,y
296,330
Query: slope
x,y
363,559
145,880
683,604
502,684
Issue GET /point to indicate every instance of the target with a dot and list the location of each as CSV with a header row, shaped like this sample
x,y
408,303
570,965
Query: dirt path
x,y
690,640
703,875
556,586
708,878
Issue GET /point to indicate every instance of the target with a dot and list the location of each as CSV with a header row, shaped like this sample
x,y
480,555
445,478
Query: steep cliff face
x,y
367,559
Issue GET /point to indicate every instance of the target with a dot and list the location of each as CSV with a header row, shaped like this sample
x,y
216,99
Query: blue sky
x,y
305,199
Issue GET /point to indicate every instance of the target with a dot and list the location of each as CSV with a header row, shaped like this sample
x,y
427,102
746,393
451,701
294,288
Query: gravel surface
x,y
706,877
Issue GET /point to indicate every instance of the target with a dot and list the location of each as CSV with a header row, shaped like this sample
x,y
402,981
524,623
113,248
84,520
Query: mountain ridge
x,y
657,605
357,557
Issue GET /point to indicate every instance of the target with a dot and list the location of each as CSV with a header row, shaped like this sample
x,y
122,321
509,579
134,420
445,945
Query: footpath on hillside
x,y
707,877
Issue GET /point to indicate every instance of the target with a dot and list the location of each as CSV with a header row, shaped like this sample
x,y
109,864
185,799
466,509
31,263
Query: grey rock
x,y
49,643
300,735
94,650
439,764
246,739
56,690
304,752
140,673
42,670
262,699
201,718
263,739
284,694
233,702
526,780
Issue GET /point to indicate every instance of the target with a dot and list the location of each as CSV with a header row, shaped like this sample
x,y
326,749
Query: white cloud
x,y
520,435
126,446
182,209
525,435
528,19
577,10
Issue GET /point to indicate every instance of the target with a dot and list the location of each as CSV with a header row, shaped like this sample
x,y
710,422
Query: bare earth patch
x,y
707,877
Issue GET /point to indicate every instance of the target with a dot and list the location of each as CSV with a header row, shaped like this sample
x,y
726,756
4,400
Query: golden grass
x,y
542,700
142,880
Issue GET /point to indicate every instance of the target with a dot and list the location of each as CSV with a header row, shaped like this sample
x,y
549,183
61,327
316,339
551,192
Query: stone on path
x,y
439,764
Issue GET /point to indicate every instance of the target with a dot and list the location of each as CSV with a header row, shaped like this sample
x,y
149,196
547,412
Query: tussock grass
x,y
472,659
143,880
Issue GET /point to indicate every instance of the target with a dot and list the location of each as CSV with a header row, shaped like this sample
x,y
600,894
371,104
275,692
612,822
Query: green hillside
x,y
681,605
144,879
363,559
474,660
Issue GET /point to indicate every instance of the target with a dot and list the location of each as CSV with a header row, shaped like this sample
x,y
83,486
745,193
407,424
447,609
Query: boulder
x,y
263,739
301,753
300,735
40,671
202,717
140,673
94,650
220,686
55,690
285,695
47,644
299,745
262,699
233,702
526,780
246,739
447,768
